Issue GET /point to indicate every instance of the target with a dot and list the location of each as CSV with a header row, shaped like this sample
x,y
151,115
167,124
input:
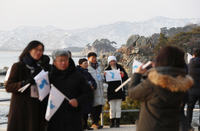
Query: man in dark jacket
x,y
73,85
194,92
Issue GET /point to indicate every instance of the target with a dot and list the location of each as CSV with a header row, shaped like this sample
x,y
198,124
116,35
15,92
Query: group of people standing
x,y
82,84
91,70
161,92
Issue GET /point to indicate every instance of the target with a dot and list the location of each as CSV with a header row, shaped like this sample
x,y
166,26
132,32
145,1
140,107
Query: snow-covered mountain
x,y
51,37
59,38
119,32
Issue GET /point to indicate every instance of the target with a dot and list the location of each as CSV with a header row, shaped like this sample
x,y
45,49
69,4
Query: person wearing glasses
x,y
73,85
26,111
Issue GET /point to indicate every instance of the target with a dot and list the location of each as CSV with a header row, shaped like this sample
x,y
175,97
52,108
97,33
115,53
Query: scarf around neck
x,y
30,61
95,66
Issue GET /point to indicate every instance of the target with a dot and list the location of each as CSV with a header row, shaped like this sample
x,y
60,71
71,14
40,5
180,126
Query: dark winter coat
x,y
186,96
160,95
111,94
88,106
73,85
26,113
194,72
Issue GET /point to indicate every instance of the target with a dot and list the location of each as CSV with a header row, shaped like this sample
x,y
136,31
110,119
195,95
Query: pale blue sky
x,y
74,14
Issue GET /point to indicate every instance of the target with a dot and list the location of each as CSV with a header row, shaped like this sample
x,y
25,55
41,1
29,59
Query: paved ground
x,y
121,128
124,128
107,128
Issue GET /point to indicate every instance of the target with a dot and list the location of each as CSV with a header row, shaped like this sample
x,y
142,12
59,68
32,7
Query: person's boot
x,y
117,122
96,126
87,128
190,128
112,121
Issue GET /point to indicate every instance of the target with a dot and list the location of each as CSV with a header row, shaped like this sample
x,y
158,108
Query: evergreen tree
x,y
163,41
188,41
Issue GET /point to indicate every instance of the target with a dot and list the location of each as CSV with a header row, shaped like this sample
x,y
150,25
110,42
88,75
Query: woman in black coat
x,y
26,112
87,108
115,98
73,85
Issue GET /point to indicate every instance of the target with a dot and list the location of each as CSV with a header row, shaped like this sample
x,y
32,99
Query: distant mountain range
x,y
119,32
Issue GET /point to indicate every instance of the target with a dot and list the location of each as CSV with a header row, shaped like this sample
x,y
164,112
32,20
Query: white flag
x,y
8,73
136,64
189,57
113,75
42,81
55,100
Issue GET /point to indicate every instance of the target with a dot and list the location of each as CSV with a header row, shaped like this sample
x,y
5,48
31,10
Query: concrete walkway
x,y
107,128
121,128
124,128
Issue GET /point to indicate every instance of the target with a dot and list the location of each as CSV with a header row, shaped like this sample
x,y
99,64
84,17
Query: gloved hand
x,y
30,80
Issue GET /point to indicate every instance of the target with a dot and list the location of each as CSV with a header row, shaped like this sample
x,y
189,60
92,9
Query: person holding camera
x,y
87,108
161,93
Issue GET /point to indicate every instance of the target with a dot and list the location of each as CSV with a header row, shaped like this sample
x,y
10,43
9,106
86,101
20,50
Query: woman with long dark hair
x,y
162,92
26,112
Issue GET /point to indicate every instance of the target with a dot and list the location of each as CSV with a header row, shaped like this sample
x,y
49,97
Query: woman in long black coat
x,y
87,108
73,85
26,113
115,98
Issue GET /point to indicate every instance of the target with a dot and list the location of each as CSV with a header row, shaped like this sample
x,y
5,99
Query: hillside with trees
x,y
100,47
145,49
188,41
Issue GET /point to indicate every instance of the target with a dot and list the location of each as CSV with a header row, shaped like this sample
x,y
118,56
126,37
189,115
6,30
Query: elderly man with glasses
x,y
74,86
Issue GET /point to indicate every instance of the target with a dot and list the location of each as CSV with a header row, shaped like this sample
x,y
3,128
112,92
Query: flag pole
x,y
121,78
123,84
24,88
60,92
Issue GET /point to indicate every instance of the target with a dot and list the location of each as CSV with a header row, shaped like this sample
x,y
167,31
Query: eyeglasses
x,y
38,50
62,60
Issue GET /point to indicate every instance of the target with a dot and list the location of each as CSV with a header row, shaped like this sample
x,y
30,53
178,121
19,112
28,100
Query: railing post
x,y
102,116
